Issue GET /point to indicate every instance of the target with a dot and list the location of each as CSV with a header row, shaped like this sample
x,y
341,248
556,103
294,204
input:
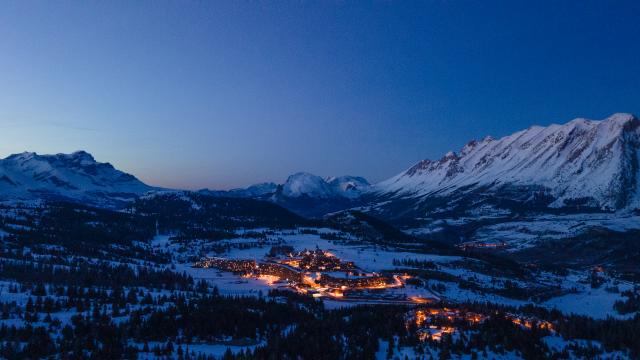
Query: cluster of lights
x,y
420,300
422,317
372,282
236,266
435,332
529,323
295,272
317,260
269,279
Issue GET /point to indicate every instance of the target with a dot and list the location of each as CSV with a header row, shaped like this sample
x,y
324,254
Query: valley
x,y
114,280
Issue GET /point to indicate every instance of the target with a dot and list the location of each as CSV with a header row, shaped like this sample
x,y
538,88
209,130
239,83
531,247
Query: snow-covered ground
x,y
368,257
527,233
596,303
228,283
581,298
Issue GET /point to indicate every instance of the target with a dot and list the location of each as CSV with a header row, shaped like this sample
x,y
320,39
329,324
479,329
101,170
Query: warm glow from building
x,y
424,320
269,279
419,300
421,317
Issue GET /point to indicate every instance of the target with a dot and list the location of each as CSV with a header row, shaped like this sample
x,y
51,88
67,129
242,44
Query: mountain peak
x,y
623,121
306,184
83,156
303,183
78,156
621,118
25,155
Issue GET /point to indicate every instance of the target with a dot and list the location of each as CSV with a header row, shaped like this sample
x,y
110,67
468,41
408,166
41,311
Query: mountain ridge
x,y
588,161
581,164
76,176
302,184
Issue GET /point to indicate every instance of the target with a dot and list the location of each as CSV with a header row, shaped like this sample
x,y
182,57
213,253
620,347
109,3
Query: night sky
x,y
224,94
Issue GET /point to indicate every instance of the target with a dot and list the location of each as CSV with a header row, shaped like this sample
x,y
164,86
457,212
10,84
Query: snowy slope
x,y
75,176
591,162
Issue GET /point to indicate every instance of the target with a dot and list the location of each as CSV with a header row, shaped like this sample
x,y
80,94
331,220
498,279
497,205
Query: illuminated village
x,y
321,274
318,273
435,322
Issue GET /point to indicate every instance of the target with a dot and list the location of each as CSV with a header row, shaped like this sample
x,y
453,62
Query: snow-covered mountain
x,y
306,194
312,196
581,163
305,184
302,185
253,191
75,176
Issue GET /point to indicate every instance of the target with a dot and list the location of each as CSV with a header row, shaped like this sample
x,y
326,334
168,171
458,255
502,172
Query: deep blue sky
x,y
222,94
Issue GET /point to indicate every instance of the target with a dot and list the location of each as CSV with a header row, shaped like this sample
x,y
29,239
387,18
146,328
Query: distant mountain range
x,y
75,177
303,185
306,194
583,165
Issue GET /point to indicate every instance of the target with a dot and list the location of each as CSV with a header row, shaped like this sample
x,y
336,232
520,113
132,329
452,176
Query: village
x,y
432,323
319,273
